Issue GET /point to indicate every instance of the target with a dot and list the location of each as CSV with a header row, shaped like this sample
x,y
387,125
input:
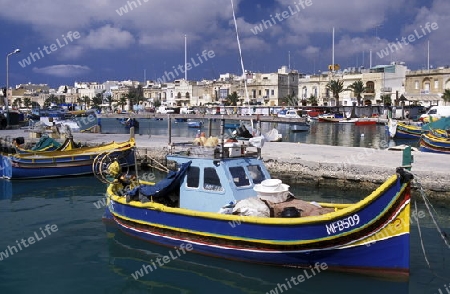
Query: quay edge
x,y
310,164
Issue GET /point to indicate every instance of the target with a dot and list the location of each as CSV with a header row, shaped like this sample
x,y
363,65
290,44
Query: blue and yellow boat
x,y
436,141
67,162
191,208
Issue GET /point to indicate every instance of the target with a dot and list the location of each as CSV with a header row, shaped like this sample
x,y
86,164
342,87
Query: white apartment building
x,y
379,80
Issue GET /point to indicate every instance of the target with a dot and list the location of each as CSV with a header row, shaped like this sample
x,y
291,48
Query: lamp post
x,y
7,87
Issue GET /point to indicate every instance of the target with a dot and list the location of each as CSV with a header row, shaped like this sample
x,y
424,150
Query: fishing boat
x,y
67,162
224,203
435,141
402,130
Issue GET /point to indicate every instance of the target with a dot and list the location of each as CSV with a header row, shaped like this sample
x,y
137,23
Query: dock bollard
x,y
408,158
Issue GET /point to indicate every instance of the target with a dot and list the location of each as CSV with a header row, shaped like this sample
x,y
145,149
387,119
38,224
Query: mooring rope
x,y
429,207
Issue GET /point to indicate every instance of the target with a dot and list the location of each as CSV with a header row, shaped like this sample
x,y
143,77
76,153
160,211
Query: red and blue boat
x,y
191,208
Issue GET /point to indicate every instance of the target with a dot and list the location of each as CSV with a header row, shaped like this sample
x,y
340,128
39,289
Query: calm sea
x,y
336,134
78,253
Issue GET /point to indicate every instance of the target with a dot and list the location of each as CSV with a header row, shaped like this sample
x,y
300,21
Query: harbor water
x,y
335,134
68,248
74,251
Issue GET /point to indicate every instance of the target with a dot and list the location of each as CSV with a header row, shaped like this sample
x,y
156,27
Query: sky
x,y
106,40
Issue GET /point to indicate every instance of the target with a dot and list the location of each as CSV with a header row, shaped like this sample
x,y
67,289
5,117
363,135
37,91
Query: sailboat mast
x,y
185,58
240,54
332,55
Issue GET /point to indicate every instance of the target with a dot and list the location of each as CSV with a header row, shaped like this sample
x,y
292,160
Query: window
x,y
256,174
240,179
193,177
436,84
416,85
211,180
272,92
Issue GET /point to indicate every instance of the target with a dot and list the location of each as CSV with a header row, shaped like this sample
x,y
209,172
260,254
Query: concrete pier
x,y
318,165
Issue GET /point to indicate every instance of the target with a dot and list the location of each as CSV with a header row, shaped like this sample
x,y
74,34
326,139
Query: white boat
x,y
302,127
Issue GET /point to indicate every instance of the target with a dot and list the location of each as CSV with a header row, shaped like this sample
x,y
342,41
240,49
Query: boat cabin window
x,y
256,174
211,180
240,179
193,177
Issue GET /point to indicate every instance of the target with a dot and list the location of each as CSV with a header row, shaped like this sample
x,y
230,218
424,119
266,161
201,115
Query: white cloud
x,y
108,37
63,70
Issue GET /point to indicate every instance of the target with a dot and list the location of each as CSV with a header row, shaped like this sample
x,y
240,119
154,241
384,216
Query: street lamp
x,y
7,86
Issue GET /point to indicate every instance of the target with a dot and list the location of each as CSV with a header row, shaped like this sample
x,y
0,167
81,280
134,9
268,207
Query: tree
x,y
109,100
52,99
122,101
312,100
386,99
358,88
97,100
232,99
446,96
17,102
86,101
27,102
291,100
336,87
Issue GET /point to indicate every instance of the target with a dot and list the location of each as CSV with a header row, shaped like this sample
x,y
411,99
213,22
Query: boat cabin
x,y
212,182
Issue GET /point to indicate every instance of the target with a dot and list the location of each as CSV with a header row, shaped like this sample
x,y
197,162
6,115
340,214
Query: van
x,y
436,112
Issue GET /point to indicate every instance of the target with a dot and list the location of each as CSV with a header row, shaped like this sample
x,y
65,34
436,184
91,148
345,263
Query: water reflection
x,y
336,134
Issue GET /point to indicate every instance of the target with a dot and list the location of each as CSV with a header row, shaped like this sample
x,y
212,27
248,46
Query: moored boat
x,y
224,203
365,122
60,163
435,141
195,124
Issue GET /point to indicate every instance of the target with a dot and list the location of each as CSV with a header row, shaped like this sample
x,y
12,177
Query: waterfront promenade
x,y
343,167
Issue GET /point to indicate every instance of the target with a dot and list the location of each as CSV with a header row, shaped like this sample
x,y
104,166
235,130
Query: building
x,y
381,81
426,87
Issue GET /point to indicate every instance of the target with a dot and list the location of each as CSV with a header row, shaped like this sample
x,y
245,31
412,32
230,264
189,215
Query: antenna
x,y
289,52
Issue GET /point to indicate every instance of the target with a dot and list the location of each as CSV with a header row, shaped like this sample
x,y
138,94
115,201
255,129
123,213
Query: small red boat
x,y
365,122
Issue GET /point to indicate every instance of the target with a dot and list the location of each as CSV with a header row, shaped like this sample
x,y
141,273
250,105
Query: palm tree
x,y
109,100
291,100
312,100
446,96
97,100
232,99
358,88
336,87
122,101
86,101
27,102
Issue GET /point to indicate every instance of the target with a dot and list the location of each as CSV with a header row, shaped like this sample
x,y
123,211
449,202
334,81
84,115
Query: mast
x,y
240,54
185,58
428,56
332,55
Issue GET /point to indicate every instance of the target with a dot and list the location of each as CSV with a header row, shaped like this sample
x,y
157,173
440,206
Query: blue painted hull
x,y
25,168
391,255
342,240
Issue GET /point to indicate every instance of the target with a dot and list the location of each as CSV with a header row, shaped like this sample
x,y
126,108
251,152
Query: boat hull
x,y
62,163
373,237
